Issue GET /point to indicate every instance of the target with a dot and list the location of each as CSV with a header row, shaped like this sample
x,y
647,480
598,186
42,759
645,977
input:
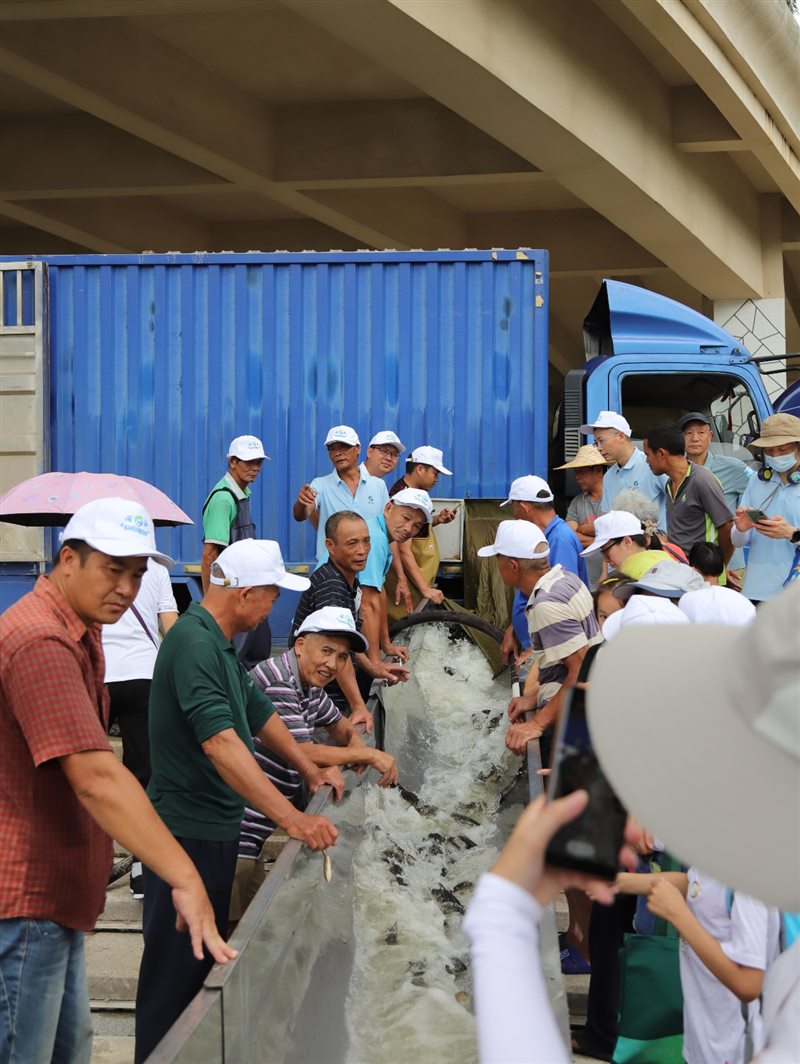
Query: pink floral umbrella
x,y
52,498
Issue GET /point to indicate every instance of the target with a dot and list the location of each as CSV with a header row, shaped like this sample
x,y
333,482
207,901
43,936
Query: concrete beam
x,y
325,145
580,242
790,228
34,10
112,226
730,49
180,106
23,240
301,234
585,107
698,126
75,155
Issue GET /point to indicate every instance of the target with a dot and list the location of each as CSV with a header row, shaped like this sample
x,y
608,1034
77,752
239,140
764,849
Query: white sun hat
x,y
675,752
517,539
247,448
334,619
387,438
117,527
431,456
342,434
254,563
614,525
607,419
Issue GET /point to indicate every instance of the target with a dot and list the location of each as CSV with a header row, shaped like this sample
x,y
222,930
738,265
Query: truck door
x,y
24,397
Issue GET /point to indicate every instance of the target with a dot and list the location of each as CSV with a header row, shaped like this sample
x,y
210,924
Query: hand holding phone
x,y
591,843
756,515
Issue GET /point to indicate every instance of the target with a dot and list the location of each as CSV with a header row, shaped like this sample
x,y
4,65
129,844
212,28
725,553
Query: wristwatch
x,y
795,537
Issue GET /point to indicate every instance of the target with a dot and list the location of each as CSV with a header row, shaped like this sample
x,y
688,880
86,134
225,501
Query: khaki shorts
x,y
248,878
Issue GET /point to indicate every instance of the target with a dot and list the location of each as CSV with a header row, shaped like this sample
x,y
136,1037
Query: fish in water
x,y
391,938
327,867
456,966
414,799
447,901
461,819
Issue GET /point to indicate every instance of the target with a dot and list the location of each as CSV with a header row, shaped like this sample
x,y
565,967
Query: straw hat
x,y
777,430
588,455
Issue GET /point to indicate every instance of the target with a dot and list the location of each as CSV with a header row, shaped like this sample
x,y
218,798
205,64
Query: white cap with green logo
x,y
118,527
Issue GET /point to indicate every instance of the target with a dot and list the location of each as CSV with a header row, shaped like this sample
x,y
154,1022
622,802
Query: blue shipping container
x,y
157,361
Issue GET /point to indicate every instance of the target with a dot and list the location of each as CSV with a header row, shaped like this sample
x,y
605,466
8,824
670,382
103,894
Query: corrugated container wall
x,y
156,362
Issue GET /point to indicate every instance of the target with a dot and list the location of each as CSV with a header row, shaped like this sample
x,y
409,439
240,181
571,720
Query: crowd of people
x,y
220,736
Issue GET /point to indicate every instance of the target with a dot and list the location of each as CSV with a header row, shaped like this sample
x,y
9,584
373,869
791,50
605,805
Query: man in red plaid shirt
x,y
63,793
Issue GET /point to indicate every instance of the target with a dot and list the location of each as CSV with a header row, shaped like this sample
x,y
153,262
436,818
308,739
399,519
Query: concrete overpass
x,y
654,140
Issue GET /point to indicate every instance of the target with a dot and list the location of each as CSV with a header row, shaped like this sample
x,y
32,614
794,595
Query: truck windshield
x,y
651,397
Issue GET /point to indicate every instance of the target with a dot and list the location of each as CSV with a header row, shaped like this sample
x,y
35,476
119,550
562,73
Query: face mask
x,y
782,463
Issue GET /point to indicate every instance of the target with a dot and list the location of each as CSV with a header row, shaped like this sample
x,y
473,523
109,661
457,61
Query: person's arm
x,y
725,542
666,901
520,734
240,770
359,714
525,702
305,504
166,620
211,551
641,883
277,738
325,756
401,588
371,617
742,531
415,575
116,801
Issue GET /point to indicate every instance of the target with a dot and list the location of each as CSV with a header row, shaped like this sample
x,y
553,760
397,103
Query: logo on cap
x,y
136,523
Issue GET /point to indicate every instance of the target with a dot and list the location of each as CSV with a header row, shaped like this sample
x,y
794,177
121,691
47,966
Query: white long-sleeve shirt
x,y
516,1024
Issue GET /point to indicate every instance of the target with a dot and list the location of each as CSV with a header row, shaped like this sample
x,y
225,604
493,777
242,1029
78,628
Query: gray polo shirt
x,y
697,509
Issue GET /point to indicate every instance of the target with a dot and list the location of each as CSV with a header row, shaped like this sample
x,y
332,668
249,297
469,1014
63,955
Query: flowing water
x,y
421,855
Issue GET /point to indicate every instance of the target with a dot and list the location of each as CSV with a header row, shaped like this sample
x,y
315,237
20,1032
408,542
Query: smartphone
x,y
756,515
592,842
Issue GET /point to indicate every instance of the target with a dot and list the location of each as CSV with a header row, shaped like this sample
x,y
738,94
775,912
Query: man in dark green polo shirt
x,y
204,712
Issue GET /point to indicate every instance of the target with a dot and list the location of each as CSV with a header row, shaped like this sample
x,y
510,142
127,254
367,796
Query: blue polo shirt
x,y
769,560
634,474
565,550
334,495
379,559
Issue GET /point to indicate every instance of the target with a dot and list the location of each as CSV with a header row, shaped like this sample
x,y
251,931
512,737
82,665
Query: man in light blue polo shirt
x,y
531,499
612,437
348,487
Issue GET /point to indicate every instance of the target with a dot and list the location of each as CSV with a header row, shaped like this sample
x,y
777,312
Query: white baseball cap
x,y
673,750
415,497
669,579
517,539
613,525
387,438
607,419
717,605
642,609
247,448
118,527
342,434
431,456
254,563
334,619
529,489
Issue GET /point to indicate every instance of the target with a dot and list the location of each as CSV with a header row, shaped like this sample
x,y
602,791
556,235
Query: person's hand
x,y
519,735
520,705
775,528
522,859
735,579
332,776
307,497
666,901
403,591
395,650
388,671
387,766
523,659
361,715
434,595
316,832
640,838
444,517
510,644
742,520
195,915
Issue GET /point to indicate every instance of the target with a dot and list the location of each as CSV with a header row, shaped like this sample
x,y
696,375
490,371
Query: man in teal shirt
x,y
204,712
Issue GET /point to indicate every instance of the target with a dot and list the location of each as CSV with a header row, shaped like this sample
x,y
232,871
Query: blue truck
x,y
148,365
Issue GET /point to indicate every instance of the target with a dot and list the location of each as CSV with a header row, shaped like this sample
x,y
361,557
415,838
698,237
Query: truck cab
x,y
653,359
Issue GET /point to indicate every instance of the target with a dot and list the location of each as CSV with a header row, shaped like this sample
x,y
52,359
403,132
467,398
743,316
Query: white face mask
x,y
781,463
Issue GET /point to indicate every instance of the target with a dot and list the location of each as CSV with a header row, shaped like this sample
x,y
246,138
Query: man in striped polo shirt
x,y
562,627
294,682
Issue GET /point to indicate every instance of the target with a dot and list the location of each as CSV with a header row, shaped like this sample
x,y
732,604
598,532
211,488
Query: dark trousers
x,y
170,976
607,927
129,700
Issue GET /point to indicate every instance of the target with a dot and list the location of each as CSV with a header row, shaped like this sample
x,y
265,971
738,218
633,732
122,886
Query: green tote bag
x,y
650,1000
